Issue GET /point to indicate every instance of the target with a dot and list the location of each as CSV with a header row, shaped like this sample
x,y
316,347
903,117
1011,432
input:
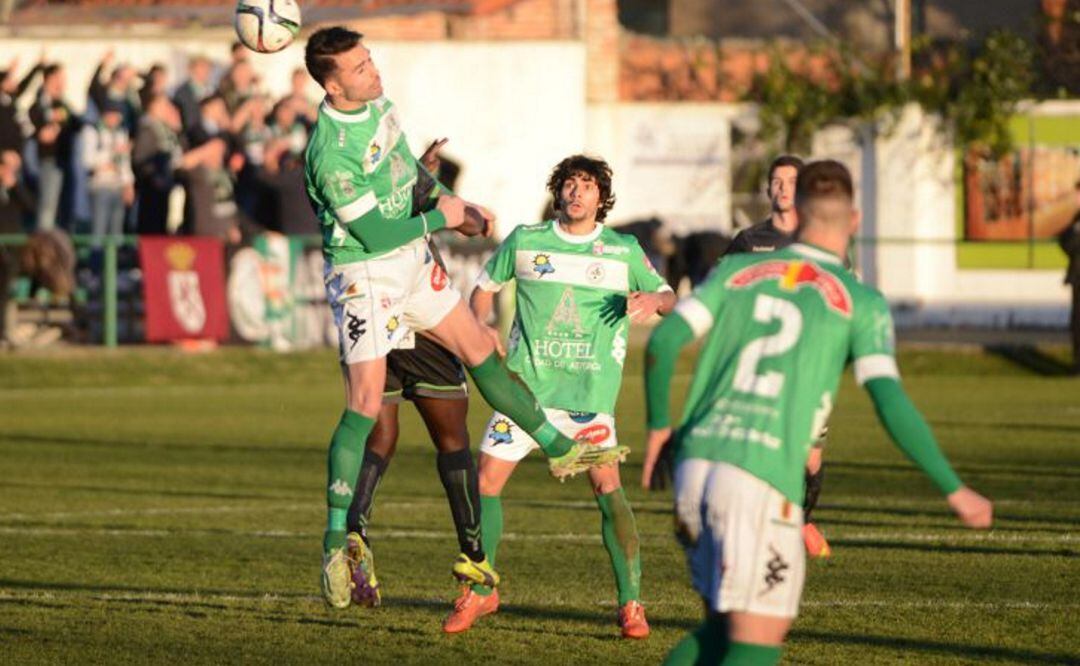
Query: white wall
x,y
511,110
670,160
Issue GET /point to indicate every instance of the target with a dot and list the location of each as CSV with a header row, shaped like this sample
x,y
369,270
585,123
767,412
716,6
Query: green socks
x,y
491,527
619,530
516,401
343,467
750,654
709,645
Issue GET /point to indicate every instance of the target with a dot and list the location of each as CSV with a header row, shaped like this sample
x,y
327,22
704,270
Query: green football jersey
x,y
568,341
778,330
354,163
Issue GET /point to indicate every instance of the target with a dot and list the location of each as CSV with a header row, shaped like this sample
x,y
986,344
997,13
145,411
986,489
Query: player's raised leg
x,y
618,528
463,335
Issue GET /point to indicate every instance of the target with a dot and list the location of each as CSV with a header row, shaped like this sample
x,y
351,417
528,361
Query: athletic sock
x,y
491,527
519,404
706,645
462,485
813,490
367,484
619,531
343,466
751,654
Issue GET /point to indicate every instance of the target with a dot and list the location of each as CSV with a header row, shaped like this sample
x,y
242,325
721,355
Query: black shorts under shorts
x,y
429,371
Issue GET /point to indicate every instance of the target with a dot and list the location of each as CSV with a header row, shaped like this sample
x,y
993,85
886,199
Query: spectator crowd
x,y
212,156
203,152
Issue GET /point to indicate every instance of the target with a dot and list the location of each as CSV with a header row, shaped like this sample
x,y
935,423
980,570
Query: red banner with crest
x,y
183,288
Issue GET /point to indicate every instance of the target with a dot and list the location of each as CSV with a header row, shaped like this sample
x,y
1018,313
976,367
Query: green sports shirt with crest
x,y
360,173
569,337
778,329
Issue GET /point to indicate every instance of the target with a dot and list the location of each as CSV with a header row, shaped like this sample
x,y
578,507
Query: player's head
x,y
825,198
342,65
780,186
580,186
53,79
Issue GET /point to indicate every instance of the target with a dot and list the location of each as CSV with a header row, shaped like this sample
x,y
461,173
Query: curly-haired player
x,y
579,284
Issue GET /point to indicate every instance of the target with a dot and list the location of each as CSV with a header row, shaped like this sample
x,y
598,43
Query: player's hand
x,y
641,305
656,470
492,333
479,221
974,510
453,208
430,158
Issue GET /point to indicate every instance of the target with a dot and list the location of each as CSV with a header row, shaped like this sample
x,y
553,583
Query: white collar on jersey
x,y
573,238
345,117
816,253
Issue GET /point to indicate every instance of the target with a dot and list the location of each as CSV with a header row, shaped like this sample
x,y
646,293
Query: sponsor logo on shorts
x,y
438,278
542,265
392,325
501,432
581,417
594,434
774,569
355,329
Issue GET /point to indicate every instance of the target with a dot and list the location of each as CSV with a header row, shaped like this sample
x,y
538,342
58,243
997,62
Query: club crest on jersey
x,y
542,265
500,432
793,276
374,153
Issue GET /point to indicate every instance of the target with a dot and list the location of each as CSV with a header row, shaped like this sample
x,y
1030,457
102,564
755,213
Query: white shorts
x,y
379,302
504,440
743,539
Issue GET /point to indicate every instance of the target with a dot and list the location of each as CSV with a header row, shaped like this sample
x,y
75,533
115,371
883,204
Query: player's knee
x,y
366,403
605,485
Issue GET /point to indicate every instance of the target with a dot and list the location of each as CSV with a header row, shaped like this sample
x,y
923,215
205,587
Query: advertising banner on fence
x,y
183,288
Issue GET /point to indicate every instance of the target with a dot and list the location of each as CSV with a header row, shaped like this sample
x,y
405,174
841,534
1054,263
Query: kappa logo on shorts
x,y
438,278
773,570
356,329
581,417
501,432
594,434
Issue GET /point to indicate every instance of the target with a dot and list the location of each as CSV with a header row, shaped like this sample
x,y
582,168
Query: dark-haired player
x,y
579,284
383,283
778,329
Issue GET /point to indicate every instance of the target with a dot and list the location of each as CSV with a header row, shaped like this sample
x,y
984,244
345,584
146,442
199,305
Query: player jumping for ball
x,y
778,329
382,283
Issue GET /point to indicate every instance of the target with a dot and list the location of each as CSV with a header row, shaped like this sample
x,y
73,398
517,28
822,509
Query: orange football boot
x,y
468,608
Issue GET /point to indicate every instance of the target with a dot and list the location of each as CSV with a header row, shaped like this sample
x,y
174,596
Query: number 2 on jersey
x,y
768,384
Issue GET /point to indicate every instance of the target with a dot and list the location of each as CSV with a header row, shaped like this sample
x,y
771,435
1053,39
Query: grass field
x,y
168,508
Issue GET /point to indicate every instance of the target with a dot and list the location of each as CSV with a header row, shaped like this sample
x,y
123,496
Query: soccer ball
x,y
267,26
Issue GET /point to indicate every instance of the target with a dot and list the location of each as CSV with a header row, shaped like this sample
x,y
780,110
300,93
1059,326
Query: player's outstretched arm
x,y
665,344
913,436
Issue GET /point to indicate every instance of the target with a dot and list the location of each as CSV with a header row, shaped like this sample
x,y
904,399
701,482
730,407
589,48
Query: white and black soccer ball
x,y
267,26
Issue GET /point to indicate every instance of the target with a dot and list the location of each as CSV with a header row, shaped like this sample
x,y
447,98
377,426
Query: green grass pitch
x,y
157,507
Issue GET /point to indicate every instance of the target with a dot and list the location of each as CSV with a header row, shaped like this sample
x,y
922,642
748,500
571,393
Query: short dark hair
x,y
824,179
323,46
50,69
783,161
593,167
